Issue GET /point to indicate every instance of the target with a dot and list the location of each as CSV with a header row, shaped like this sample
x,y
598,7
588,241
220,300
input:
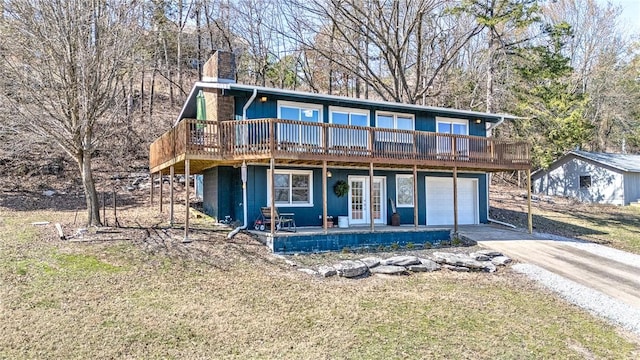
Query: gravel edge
x,y
615,311
597,249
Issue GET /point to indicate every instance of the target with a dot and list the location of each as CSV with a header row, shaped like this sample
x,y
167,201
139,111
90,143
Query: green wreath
x,y
341,188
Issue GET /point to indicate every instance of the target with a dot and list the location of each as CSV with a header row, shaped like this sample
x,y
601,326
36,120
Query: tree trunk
x,y
91,196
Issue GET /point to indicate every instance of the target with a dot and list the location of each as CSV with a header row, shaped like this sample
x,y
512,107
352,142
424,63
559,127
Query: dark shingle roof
x,y
624,162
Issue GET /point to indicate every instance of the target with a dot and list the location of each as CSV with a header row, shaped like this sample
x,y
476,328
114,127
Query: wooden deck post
x,y
371,197
415,196
530,215
161,186
324,196
273,196
455,199
171,175
186,201
152,175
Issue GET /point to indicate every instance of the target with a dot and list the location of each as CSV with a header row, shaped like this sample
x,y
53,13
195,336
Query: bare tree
x,y
68,59
397,49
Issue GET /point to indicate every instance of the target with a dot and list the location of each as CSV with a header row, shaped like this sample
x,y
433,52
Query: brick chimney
x,y
221,67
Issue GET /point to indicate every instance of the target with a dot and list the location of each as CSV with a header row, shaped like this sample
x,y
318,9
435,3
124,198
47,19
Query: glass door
x,y
359,200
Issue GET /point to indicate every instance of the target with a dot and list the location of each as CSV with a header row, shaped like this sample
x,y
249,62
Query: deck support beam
x,y
530,214
371,219
324,196
171,176
186,201
272,167
151,175
161,186
415,196
455,199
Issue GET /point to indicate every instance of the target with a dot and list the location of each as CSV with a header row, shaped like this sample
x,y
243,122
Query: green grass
x,y
219,299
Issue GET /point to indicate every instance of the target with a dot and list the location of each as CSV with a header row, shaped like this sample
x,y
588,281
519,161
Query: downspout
x,y
243,171
491,127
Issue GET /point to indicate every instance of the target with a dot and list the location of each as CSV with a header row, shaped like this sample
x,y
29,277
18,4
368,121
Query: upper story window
x,y
298,133
453,127
351,138
388,120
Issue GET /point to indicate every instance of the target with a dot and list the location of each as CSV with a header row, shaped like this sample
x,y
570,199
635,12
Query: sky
x,y
630,11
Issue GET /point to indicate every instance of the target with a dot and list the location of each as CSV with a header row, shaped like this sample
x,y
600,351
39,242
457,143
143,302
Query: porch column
x,y
415,196
273,196
186,201
455,199
324,196
530,215
161,191
371,197
171,174
151,175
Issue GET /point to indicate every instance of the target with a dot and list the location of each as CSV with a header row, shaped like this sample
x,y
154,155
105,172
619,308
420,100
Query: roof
x,y
623,162
189,108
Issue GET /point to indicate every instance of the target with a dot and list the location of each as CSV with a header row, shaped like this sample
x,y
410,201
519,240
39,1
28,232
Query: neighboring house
x,y
592,177
292,148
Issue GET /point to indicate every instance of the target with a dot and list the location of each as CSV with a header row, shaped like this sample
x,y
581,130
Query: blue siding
x,y
310,216
424,121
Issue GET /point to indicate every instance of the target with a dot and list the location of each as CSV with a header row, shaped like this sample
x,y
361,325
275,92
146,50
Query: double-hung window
x,y
387,120
292,187
299,134
345,137
453,127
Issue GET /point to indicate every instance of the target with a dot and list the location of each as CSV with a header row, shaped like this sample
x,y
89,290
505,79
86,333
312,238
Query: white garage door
x,y
440,201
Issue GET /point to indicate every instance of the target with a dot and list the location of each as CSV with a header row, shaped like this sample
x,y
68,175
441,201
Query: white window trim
x,y
405,176
395,137
444,120
347,110
291,172
395,118
301,105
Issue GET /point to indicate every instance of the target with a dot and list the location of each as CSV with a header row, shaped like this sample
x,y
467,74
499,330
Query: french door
x,y
360,203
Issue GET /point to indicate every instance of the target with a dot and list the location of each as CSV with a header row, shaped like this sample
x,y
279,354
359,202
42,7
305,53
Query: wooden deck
x,y
210,143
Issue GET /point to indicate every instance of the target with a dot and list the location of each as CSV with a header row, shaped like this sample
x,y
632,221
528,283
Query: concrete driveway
x,y
610,271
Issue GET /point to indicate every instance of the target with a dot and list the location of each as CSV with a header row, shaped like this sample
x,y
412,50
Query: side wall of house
x,y
222,193
631,187
563,179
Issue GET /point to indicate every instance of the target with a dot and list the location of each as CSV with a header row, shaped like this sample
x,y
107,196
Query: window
x,y
349,137
404,191
292,187
296,133
454,127
386,120
585,181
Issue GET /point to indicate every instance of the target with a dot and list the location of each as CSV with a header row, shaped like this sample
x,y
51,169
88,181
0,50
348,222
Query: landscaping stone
x,y
456,268
326,271
48,193
479,256
489,253
424,267
308,271
489,267
351,269
402,260
500,260
457,260
389,270
371,262
429,264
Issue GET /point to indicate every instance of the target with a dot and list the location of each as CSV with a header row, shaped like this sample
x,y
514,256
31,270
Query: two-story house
x,y
258,146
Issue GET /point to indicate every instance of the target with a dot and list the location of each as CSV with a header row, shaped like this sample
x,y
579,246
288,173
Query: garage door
x,y
440,201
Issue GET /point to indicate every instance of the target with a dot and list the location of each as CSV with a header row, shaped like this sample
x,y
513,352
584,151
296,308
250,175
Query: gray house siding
x,y
563,179
631,187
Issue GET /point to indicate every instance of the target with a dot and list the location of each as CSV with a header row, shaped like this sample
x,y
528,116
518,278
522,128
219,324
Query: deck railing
x,y
263,138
